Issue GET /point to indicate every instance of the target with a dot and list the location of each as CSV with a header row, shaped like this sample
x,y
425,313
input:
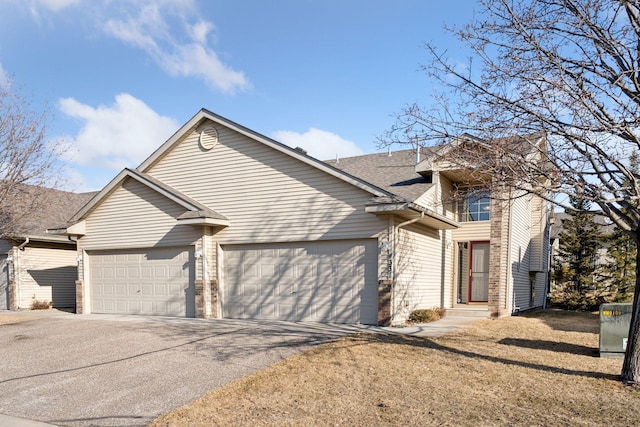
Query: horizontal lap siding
x,y
419,270
520,251
48,275
267,195
136,216
473,231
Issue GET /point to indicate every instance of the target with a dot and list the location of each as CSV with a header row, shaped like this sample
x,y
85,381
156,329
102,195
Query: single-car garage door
x,y
153,281
324,281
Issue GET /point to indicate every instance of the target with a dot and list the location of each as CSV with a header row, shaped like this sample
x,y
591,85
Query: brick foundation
x,y
498,257
13,295
385,288
80,296
214,298
199,296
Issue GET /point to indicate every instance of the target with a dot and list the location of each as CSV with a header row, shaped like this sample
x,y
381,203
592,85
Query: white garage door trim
x,y
323,281
151,281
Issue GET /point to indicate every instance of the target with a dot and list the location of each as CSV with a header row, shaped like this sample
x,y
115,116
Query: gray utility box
x,y
615,319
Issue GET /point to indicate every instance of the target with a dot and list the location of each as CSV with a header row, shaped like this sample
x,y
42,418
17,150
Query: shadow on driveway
x,y
98,370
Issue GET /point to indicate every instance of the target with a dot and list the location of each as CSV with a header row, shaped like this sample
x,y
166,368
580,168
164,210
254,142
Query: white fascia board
x,y
108,189
386,207
205,221
168,194
117,182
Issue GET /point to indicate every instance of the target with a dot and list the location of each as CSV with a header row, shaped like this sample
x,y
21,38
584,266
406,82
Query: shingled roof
x,y
394,172
38,208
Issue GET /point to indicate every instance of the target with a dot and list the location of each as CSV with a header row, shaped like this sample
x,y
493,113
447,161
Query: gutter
x,y
23,244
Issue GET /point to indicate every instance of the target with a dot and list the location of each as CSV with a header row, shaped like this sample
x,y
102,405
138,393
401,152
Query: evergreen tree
x,y
577,270
622,252
621,268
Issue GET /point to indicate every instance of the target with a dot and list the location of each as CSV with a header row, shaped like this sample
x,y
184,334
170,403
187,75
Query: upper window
x,y
475,206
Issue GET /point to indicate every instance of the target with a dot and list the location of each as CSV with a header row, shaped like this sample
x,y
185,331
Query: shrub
x,y
426,315
576,301
40,305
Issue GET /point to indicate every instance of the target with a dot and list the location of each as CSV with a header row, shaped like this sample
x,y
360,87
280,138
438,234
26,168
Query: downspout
x,y
23,244
394,276
511,309
17,270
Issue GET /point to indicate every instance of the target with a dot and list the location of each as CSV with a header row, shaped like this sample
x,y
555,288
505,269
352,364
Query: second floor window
x,y
475,206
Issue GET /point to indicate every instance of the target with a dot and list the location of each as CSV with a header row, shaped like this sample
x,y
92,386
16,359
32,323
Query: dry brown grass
x,y
541,369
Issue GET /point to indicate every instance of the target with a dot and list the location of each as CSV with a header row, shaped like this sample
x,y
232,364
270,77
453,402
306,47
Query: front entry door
x,y
479,272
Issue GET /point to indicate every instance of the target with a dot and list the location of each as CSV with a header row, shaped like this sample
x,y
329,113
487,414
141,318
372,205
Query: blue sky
x,y
120,76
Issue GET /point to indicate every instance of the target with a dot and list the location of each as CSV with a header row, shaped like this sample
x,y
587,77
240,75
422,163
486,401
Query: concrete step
x,y
477,312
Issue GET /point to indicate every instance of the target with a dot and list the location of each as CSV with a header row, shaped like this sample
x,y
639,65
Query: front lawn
x,y
540,369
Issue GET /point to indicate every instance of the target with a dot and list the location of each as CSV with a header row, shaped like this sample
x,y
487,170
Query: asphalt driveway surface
x,y
97,370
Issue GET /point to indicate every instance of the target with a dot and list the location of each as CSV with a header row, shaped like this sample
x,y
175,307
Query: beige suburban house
x,y
221,221
37,267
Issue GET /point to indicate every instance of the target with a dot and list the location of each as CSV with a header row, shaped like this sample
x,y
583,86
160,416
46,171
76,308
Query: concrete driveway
x,y
98,370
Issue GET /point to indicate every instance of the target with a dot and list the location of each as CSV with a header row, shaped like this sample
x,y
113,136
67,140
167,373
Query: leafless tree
x,y
568,70
28,161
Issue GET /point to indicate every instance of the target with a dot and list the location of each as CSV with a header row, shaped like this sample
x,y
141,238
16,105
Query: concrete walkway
x,y
434,329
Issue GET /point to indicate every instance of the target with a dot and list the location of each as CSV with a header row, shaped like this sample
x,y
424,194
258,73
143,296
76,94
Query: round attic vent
x,y
208,137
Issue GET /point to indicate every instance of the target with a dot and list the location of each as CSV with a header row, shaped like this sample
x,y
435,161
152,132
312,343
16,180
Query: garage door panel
x,y
156,281
331,281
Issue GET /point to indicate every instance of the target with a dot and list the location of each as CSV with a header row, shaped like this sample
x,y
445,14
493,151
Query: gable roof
x,y
407,187
195,212
394,172
204,115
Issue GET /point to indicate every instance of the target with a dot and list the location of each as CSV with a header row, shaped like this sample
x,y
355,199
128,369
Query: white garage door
x,y
154,281
4,283
332,281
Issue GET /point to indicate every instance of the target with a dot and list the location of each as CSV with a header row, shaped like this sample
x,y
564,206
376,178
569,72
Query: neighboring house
x,y
221,221
34,265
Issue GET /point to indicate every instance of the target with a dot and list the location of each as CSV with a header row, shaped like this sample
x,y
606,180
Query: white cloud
x,y
318,143
116,136
56,5
150,29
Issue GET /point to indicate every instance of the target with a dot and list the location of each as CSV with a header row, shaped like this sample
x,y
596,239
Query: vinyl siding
x,y
538,231
520,251
47,274
419,271
448,256
134,216
472,231
267,195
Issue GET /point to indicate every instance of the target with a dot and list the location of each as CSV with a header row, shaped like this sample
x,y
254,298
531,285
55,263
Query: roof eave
x,y
410,211
205,221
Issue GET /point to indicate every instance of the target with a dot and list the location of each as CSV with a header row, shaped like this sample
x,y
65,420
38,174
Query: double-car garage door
x,y
330,281
153,281
323,281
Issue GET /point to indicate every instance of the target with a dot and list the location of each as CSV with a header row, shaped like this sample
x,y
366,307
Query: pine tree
x,y
577,270
621,268
622,252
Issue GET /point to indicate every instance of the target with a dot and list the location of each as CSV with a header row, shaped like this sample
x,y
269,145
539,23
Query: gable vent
x,y
208,138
